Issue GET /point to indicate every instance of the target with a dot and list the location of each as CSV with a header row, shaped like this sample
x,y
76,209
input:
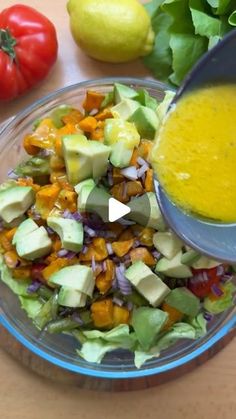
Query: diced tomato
x,y
202,280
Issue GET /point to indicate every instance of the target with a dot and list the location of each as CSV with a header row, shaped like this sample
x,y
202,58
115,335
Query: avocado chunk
x,y
76,277
173,267
205,263
145,211
34,245
167,243
146,100
121,91
183,300
147,283
147,323
146,122
190,257
26,227
58,113
15,201
84,159
71,298
164,105
70,231
95,200
122,137
87,182
124,109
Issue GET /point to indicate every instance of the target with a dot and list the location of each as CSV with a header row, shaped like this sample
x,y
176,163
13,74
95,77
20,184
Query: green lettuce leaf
x,y
180,13
18,287
164,105
178,331
204,24
47,312
152,7
147,323
221,7
222,303
213,40
200,325
182,46
95,344
32,306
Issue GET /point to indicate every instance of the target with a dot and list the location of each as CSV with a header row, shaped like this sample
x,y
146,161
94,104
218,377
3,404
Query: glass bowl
x,y
60,350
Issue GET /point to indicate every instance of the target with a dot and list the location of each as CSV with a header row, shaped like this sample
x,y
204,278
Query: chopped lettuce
x,y
200,325
95,344
18,287
185,28
32,306
222,303
178,331
47,312
147,323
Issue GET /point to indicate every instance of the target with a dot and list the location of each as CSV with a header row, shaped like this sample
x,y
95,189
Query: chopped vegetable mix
x,y
129,284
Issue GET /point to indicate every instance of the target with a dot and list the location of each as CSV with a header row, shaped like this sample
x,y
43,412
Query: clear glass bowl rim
x,y
89,371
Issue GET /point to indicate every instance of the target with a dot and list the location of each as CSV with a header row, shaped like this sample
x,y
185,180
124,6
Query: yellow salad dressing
x,y
194,155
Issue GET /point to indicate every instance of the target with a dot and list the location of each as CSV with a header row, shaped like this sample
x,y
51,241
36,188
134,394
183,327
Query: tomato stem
x,y
7,43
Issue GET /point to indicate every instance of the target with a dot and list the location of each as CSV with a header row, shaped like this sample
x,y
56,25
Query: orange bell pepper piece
x,y
67,200
126,234
174,315
119,192
5,242
29,148
97,250
72,118
144,234
28,182
134,187
21,273
93,100
10,233
143,254
121,315
148,183
133,161
104,279
12,259
117,176
104,114
102,313
46,198
88,124
145,148
56,265
121,248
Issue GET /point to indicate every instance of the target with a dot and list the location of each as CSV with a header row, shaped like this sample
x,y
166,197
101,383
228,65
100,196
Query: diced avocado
x,y
190,257
99,155
58,113
167,243
183,300
14,223
70,231
164,105
15,201
35,245
173,267
94,199
147,283
76,277
122,137
145,211
87,182
71,298
120,156
108,99
146,122
24,228
205,263
146,100
84,159
121,91
124,109
147,323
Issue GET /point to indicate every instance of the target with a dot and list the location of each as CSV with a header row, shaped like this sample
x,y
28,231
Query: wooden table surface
x,y
208,392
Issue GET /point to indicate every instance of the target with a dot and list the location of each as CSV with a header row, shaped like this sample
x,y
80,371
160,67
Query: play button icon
x,y
116,210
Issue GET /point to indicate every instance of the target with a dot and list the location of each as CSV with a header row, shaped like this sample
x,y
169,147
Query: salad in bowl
x,y
127,284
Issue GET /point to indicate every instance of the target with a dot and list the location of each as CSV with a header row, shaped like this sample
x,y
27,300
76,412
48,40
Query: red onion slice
x,y
130,172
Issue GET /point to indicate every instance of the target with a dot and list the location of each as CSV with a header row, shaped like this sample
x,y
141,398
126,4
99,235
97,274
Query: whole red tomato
x,y
28,49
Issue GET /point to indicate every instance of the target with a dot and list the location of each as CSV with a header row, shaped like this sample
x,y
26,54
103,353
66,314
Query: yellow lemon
x,y
111,30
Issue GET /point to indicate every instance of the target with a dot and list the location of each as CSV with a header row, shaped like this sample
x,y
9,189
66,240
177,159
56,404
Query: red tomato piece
x,y
202,280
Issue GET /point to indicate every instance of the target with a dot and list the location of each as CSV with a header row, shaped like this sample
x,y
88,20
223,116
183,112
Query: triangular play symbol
x,y
116,210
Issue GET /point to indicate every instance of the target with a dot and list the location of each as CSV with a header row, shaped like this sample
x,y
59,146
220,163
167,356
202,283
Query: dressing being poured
x,y
194,156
